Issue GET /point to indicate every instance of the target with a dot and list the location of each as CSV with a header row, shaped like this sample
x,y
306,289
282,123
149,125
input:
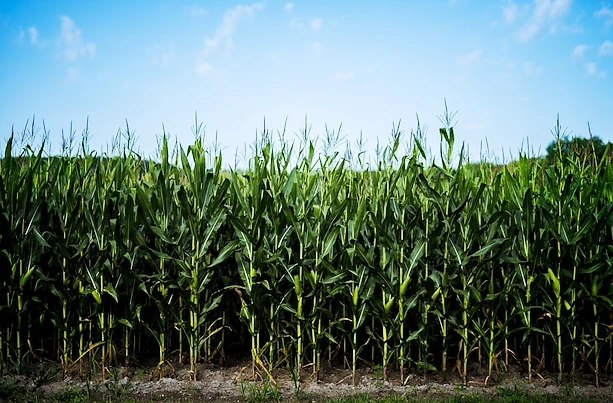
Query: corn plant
x,y
22,242
305,257
159,214
201,203
251,198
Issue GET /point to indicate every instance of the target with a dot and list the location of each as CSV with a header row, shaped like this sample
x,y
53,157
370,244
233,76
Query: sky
x,y
506,68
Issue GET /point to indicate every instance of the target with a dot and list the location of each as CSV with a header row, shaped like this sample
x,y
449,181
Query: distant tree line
x,y
589,150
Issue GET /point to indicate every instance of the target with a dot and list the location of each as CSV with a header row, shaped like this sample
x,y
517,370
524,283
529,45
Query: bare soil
x,y
237,383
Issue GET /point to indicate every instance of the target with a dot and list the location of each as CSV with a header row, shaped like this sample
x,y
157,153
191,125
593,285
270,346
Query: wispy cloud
x,y
344,75
510,12
606,48
71,43
316,46
197,10
224,33
593,70
288,6
73,74
296,23
316,24
34,35
545,13
606,13
164,59
162,54
532,69
578,52
205,68
212,73
468,59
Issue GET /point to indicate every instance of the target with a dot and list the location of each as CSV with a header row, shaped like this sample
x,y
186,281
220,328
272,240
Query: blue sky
x,y
507,67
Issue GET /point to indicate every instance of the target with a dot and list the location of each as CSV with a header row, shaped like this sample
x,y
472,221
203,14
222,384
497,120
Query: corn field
x,y
307,259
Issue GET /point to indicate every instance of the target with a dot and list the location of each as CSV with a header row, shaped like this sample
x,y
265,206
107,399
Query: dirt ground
x,y
236,383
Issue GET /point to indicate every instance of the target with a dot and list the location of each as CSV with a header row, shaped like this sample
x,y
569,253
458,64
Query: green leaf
x,y
555,281
24,279
491,245
125,322
40,238
96,296
225,253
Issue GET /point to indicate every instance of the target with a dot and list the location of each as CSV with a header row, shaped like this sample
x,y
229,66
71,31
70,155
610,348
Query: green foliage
x,y
590,150
12,391
70,395
260,393
305,259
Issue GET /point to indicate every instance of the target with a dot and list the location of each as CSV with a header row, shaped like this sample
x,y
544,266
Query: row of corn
x,y
306,259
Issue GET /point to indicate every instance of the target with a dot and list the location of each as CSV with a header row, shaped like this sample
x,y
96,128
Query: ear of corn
x,y
307,259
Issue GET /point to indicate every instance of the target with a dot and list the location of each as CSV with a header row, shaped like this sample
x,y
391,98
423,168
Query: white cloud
x,y
509,12
578,52
211,73
164,59
162,54
343,75
288,6
544,13
228,26
316,24
205,69
532,69
296,23
469,58
316,46
73,74
606,48
71,42
552,9
197,10
34,35
607,14
591,68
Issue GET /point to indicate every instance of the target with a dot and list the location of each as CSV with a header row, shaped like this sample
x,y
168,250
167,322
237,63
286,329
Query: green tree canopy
x,y
589,150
